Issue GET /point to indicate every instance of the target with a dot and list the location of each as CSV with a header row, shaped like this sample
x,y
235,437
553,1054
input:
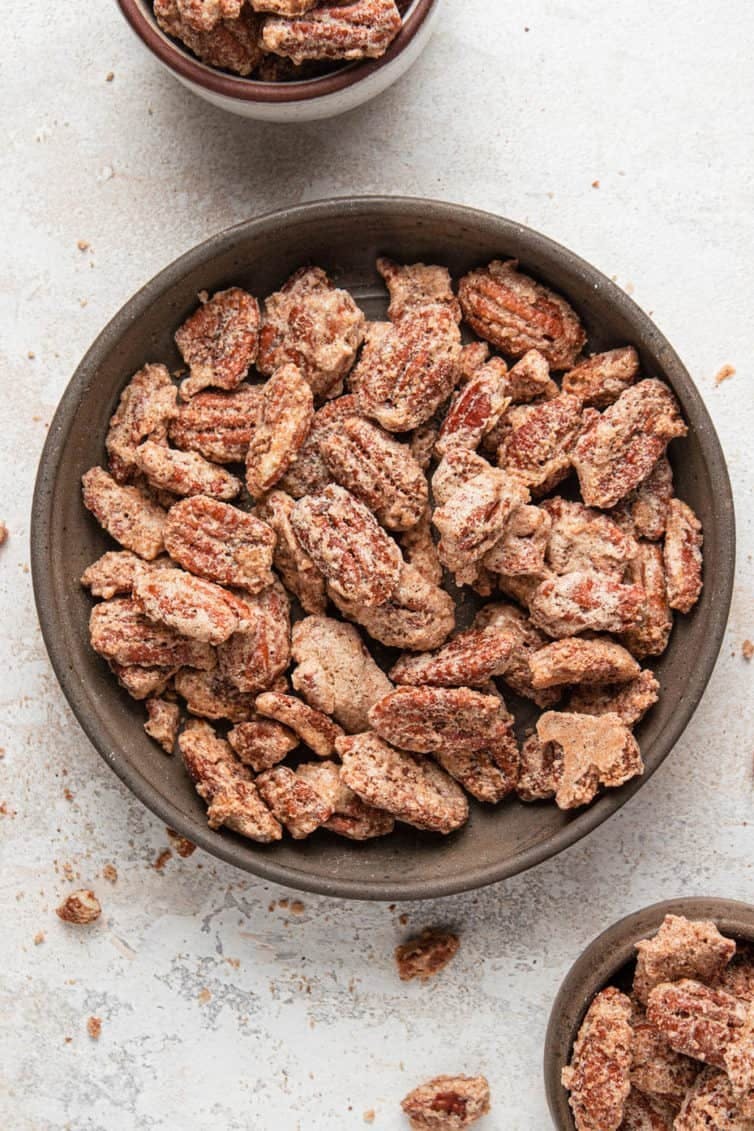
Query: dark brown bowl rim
x,y
251,90
606,955
41,549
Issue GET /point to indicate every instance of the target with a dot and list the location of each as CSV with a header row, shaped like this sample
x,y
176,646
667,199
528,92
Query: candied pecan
x,y
422,444
416,285
491,774
739,1064
420,551
352,817
193,607
261,744
146,406
360,561
141,682
650,634
162,723
642,1113
526,639
419,617
738,976
467,660
425,719
413,788
597,750
295,803
657,1070
119,631
695,1020
618,448
529,379
253,659
426,955
598,1075
296,568
447,1103
313,324
309,473
515,314
125,513
210,695
225,784
219,341
540,443
458,467
218,425
541,769
474,412
585,600
683,556
597,660
378,471
335,673
645,509
472,357
80,907
601,379
361,29
115,572
203,15
521,550
583,539
710,1105
681,949
316,730
184,473
630,702
285,417
474,517
221,543
407,369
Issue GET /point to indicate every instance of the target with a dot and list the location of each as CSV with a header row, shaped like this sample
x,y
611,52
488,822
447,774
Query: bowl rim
x,y
242,89
607,954
41,550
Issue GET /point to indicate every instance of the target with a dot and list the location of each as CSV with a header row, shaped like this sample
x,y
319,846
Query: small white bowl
x,y
323,97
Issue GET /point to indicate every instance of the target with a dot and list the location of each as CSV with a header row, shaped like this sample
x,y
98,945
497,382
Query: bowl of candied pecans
x,y
284,60
367,547
653,1028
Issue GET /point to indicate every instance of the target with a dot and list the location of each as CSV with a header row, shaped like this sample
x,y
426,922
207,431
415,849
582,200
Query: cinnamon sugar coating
x,y
475,411
585,601
598,1077
126,513
710,1105
163,720
217,425
203,15
597,660
184,473
361,29
415,285
644,1114
420,551
286,411
538,448
220,543
475,516
541,769
681,949
219,341
695,1020
146,407
447,1103
193,607
211,695
523,545
419,616
657,1070
119,631
428,719
597,751
468,660
351,817
80,907
426,955
582,538
601,379
261,743
644,510
683,556
297,570
295,803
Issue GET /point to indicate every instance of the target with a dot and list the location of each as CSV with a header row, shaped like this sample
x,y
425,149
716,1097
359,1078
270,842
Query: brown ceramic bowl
x,y
610,958
345,236
330,94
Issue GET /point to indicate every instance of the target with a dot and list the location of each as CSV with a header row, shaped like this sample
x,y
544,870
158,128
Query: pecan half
x,y
352,817
541,769
419,617
285,417
119,631
361,29
538,447
141,682
115,572
468,660
416,285
146,406
475,411
650,634
125,513
261,744
643,1113
162,723
582,538
458,467
491,774
601,379
295,803
597,750
474,518
315,729
426,719
522,547
211,695
597,660
585,601
220,542
254,658
218,425
184,473
296,568
219,341
193,607
695,1020
309,473
710,1105
657,1070
683,556
598,1076
644,511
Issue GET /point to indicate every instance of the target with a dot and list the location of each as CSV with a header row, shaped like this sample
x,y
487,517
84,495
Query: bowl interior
x,y
610,960
345,237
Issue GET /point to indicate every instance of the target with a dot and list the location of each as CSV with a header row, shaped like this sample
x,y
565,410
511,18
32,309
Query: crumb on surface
x,y
724,373
109,76
4,528
67,794
94,1027
205,996
83,245
80,907
110,873
426,955
369,1116
595,184
39,938
162,860
297,907
182,845
747,650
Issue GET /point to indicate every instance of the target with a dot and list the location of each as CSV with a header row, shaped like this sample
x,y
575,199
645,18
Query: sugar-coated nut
x,y
540,770
683,556
286,8
490,774
681,949
162,723
656,1069
585,601
295,803
582,538
351,817
255,657
527,639
695,1020
126,513
217,425
523,544
597,751
184,473
80,907
309,474
458,466
630,701
119,631
411,787
710,1105
426,955
416,285
358,29
644,511
598,1077
142,682
428,719
420,551
419,617
739,1064
203,15
469,659
643,1113
219,341
474,517
447,1103
539,445
314,729
210,695
597,660
601,379
474,412
529,379
297,570
115,572
650,634
286,411
221,543
192,606
261,744
471,359
146,407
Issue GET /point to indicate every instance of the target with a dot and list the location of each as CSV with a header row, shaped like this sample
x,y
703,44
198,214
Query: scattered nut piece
x,y
80,907
163,722
94,1028
447,1103
681,949
426,955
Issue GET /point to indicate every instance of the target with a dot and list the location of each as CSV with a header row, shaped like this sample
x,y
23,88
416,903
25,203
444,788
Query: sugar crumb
x,y
747,650
83,245
94,1028
369,1116
205,996
39,938
595,184
162,860
110,873
181,844
724,374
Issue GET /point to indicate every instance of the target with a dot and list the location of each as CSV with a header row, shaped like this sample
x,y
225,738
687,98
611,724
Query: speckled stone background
x,y
626,132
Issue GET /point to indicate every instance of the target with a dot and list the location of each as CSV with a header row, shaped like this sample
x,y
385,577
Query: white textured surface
x,y
311,1028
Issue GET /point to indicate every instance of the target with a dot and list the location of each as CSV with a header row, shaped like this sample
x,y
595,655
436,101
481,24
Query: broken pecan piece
x,y
469,659
601,379
219,341
585,601
352,817
695,1020
710,1105
146,406
416,285
491,774
522,548
184,473
597,660
419,617
296,568
683,556
286,411
458,467
681,949
516,314
598,750
286,8
426,719
115,572
221,543
413,788
361,29
162,723
261,744
218,425
193,607
582,538
253,658
361,562
335,673
210,695
80,907
141,682
541,769
316,730
378,471
309,473
630,701
426,955
644,510
474,518
650,634
294,802
447,1103
119,631
312,324
526,639
598,1077
204,15
539,443
125,513
618,448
